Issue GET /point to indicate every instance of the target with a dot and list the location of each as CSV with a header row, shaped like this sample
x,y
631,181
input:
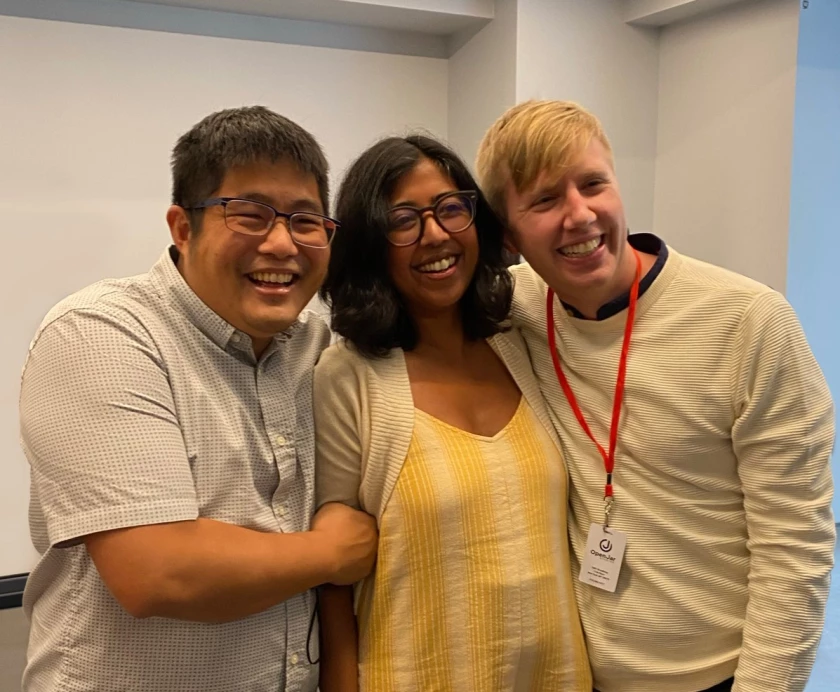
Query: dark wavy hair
x,y
236,137
365,305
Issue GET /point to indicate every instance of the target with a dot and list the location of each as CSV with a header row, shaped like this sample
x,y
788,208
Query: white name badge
x,y
603,558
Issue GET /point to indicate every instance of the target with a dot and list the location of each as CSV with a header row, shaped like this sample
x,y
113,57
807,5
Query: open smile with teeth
x,y
439,266
582,249
272,278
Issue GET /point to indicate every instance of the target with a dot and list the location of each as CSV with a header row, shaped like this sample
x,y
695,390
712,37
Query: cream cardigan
x,y
364,419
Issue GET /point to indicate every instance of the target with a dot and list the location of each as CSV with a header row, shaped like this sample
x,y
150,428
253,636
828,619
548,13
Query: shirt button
x,y
235,338
281,510
280,440
294,659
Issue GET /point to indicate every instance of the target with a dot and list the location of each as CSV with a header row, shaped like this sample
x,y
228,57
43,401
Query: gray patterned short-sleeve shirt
x,y
140,405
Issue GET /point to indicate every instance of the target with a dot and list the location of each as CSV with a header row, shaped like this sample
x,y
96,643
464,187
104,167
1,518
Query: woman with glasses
x,y
428,417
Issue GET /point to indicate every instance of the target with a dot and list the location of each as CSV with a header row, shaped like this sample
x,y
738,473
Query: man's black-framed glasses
x,y
257,218
453,212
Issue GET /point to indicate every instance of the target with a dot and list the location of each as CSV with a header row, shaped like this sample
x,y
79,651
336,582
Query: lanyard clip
x,y
608,505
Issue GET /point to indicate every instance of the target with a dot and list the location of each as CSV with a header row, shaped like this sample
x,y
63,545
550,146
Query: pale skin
x,y
206,570
557,211
447,372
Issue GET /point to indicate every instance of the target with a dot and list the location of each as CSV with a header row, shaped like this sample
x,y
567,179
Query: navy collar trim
x,y
643,242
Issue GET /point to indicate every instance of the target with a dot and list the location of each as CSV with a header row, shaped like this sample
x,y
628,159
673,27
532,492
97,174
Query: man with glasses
x,y
167,419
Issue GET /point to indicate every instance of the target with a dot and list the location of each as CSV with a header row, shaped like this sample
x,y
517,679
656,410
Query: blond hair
x,y
530,138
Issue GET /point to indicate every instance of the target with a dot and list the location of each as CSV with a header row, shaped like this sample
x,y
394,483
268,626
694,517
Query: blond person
x,y
720,483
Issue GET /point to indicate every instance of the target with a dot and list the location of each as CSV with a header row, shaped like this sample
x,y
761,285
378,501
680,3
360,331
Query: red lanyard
x,y
609,457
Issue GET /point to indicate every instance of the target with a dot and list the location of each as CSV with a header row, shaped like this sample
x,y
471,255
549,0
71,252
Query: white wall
x,y
482,80
584,52
89,115
726,102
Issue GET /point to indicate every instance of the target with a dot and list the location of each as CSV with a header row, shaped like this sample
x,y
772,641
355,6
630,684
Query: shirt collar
x,y
167,277
644,242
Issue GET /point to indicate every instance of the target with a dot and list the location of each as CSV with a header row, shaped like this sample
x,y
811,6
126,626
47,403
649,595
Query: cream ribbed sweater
x,y
722,480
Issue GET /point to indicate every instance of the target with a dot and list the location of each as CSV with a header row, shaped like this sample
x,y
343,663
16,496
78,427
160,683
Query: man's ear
x,y
510,243
511,251
179,227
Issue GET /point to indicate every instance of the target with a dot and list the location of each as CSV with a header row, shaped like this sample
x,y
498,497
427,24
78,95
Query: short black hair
x,y
366,307
238,137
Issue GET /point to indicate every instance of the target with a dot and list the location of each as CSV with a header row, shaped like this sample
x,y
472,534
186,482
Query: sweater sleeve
x,y
783,436
338,427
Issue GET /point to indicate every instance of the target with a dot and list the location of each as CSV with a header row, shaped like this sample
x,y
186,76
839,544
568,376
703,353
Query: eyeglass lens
x,y
454,213
253,218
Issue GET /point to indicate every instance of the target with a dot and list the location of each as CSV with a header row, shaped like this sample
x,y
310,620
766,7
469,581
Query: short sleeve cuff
x,y
67,531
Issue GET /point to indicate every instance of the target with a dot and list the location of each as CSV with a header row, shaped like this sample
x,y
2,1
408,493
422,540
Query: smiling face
x,y
433,274
258,284
571,229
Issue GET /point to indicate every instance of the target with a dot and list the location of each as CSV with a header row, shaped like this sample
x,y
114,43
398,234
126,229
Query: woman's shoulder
x,y
339,356
511,347
342,362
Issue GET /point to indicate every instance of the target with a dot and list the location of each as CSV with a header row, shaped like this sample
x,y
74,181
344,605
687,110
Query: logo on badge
x,y
606,545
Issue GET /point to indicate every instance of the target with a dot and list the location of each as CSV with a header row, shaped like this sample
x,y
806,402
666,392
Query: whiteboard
x,y
88,117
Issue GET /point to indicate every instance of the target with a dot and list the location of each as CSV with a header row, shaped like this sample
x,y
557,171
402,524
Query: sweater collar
x,y
643,242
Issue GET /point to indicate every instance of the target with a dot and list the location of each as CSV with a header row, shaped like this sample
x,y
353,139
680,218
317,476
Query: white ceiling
x,y
438,17
663,12
431,28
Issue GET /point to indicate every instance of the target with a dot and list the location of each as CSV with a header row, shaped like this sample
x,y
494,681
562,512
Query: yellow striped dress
x,y
472,590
